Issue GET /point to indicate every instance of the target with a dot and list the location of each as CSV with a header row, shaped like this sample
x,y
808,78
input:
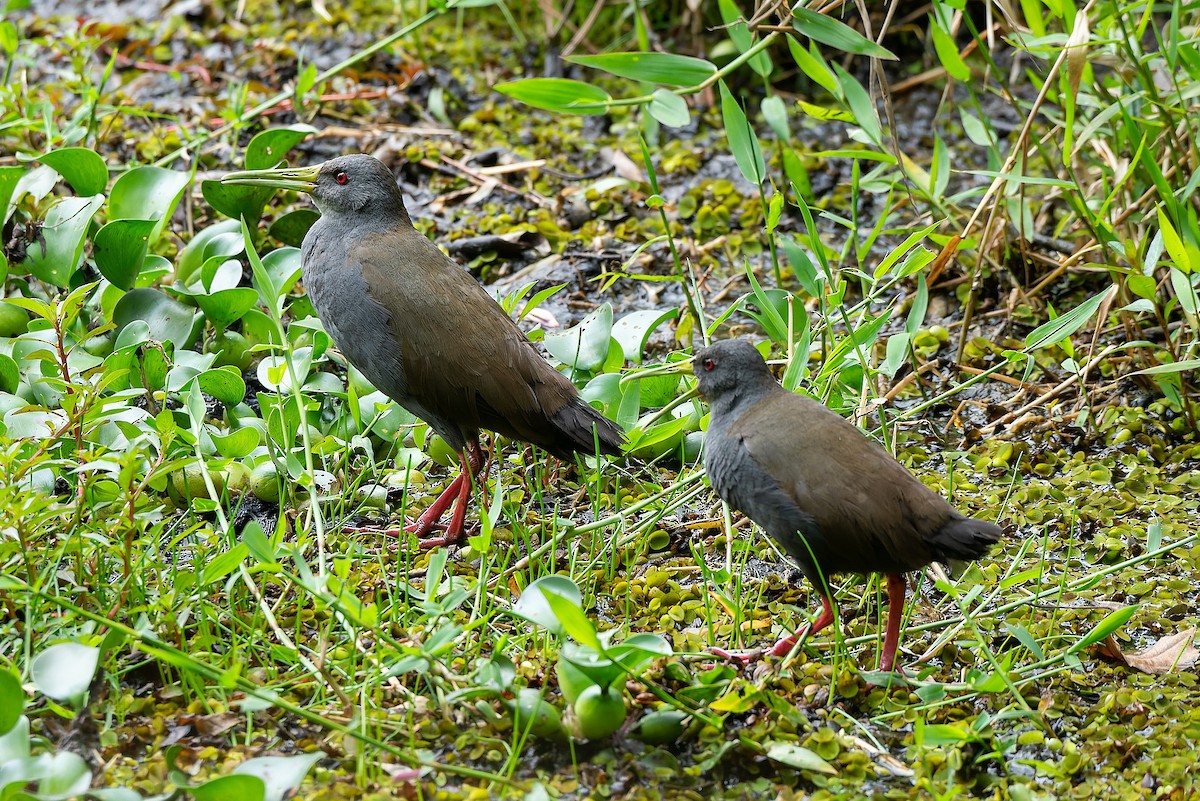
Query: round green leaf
x,y
269,147
147,193
9,178
10,374
119,249
558,94
651,67
168,319
82,168
237,201
221,239
282,775
12,700
584,346
669,109
64,670
233,787
239,443
635,328
226,305
534,607
63,233
226,385
798,757
291,227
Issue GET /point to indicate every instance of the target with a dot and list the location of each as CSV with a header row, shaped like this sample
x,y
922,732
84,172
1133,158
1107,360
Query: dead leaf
x,y
1169,653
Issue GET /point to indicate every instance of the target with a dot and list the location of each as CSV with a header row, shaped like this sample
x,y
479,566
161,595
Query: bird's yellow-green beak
x,y
683,367
299,179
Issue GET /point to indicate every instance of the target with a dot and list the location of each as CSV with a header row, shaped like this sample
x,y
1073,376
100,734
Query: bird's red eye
x,y
341,178
708,365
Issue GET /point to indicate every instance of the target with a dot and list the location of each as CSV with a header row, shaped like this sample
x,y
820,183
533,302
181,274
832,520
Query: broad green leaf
x,y
774,111
664,68
64,671
635,328
269,147
798,757
291,228
572,618
1174,243
224,564
227,305
739,34
10,374
220,239
669,109
829,31
1110,624
282,267
1184,366
12,702
947,52
10,176
742,139
656,440
1184,291
533,606
1058,329
119,249
281,775
80,167
584,346
237,201
63,232
146,193
897,353
14,744
58,775
239,443
223,383
861,105
558,94
812,64
233,787
168,319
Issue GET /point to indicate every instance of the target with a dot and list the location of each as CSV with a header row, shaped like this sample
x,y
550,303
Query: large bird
x,y
424,332
831,497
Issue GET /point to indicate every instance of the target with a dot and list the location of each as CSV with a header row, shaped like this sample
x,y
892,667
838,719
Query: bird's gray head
x,y
356,184
731,367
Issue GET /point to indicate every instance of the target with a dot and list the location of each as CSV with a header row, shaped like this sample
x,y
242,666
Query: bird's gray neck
x,y
366,219
734,402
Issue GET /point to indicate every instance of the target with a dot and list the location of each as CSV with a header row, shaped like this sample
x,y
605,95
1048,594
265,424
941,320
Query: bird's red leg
x,y
785,645
430,517
457,490
891,639
471,460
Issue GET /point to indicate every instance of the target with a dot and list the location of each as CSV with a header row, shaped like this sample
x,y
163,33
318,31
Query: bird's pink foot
x,y
744,657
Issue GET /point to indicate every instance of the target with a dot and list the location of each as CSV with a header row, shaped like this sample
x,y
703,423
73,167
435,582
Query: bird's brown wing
x,y
464,358
873,515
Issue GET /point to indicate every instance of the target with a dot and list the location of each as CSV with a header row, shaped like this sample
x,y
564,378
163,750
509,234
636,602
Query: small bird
x,y
831,497
424,332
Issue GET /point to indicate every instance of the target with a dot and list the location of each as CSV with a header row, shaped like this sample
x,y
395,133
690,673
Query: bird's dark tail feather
x,y
964,539
582,427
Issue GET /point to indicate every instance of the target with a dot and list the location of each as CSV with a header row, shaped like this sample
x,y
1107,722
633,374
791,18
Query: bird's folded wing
x,y
461,351
869,508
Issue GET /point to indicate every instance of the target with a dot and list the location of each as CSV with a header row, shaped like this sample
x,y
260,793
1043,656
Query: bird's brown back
x,y
464,358
872,514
